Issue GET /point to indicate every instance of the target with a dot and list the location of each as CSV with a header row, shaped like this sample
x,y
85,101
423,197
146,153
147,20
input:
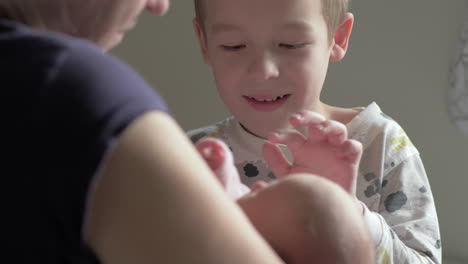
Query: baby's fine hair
x,y
333,12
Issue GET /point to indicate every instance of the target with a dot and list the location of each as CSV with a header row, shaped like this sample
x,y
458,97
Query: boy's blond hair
x,y
89,19
333,12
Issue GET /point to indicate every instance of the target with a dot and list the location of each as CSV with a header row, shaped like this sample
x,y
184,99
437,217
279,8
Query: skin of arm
x,y
156,201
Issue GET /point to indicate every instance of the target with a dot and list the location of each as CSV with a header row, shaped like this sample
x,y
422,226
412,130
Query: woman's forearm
x,y
156,201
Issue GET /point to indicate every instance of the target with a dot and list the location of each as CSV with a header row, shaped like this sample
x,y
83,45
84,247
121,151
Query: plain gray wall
x,y
400,55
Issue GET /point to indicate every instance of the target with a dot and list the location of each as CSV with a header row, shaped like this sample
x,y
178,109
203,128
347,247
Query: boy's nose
x,y
157,7
263,67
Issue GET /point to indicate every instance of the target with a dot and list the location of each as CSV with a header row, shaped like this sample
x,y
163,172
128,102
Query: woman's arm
x,y
156,201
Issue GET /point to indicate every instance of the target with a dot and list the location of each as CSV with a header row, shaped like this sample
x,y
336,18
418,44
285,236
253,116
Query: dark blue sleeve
x,y
101,91
92,97
64,103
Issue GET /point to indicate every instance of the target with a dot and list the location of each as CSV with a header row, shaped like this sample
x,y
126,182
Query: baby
x,y
300,214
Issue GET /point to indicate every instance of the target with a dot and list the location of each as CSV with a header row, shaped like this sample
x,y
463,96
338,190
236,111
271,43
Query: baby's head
x,y
308,219
270,57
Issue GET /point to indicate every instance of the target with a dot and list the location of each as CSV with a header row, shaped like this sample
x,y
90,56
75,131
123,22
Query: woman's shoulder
x,y
31,58
51,69
19,40
27,49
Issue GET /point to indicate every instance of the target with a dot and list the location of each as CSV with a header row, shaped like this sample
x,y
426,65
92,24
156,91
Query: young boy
x,y
269,59
300,215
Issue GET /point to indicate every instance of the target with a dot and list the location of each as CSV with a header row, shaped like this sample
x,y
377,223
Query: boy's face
x,y
269,58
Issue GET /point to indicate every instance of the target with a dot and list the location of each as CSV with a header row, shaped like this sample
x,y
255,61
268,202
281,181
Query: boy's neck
x,y
342,115
250,132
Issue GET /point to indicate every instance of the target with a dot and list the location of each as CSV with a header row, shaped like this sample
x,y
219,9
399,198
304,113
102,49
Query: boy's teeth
x,y
268,100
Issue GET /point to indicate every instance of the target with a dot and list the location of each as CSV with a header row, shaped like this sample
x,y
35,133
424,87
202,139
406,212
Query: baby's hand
x,y
219,158
326,151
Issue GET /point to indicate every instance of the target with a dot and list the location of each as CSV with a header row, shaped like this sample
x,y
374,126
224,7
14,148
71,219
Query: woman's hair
x,y
89,19
333,12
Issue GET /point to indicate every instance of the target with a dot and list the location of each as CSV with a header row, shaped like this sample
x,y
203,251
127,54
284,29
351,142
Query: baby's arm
x,y
219,158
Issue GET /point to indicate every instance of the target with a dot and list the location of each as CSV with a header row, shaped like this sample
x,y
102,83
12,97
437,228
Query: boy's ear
x,y
341,38
201,39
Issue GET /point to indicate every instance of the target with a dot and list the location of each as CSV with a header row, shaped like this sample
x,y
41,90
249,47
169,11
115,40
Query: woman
x,y
97,171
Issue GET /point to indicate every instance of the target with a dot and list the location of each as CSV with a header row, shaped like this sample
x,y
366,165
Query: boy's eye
x,y
233,47
292,46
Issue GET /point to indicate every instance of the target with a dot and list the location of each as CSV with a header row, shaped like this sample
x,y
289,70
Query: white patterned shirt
x,y
392,183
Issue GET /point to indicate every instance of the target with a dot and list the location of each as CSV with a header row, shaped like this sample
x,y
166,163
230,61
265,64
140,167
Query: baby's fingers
x,y
352,151
213,152
306,118
291,138
335,132
278,163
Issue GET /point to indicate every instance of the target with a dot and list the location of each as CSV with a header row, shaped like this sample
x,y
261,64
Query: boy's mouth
x,y
267,100
266,104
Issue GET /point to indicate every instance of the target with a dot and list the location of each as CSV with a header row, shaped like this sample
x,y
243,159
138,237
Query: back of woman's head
x,y
89,19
